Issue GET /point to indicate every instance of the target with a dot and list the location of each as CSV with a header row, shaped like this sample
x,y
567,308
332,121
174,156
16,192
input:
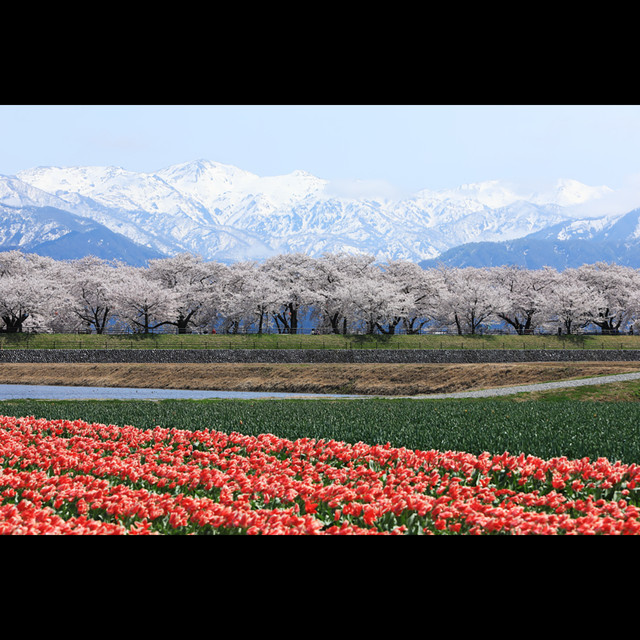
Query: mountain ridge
x,y
564,245
225,213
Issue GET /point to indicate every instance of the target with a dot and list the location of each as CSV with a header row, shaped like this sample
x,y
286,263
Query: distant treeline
x,y
337,293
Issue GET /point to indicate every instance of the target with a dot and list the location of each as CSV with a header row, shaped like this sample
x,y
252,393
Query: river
x,y
50,392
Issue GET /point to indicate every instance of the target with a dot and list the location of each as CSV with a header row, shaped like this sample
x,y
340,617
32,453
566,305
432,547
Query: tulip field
x,y
261,468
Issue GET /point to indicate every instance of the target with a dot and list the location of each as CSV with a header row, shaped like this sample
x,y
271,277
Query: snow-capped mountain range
x,y
225,213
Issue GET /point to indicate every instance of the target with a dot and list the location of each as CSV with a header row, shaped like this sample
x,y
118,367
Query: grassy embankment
x,y
365,379
285,341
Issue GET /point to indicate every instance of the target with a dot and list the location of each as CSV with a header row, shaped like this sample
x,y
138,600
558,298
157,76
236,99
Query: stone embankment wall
x,y
412,356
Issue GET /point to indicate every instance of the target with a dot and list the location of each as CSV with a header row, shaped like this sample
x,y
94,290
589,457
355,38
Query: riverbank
x,y
360,379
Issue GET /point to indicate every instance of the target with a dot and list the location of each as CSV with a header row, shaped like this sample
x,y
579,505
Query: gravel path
x,y
505,391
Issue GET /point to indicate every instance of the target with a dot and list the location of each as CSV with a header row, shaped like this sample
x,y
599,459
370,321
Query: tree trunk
x,y
458,325
567,326
13,323
522,327
182,323
607,325
260,322
293,313
335,323
391,328
409,326
279,319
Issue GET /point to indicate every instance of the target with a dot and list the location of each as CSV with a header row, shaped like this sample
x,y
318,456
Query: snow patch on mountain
x,y
583,229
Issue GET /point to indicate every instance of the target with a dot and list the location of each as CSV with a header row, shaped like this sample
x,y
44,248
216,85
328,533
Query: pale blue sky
x,y
411,147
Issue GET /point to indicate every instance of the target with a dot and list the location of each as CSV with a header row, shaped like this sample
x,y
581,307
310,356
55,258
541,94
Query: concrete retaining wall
x,y
315,355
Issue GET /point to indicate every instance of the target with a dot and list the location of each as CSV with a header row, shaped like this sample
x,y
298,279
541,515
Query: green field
x,y
286,341
543,428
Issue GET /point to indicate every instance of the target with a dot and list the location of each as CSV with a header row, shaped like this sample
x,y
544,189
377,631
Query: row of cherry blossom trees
x,y
337,293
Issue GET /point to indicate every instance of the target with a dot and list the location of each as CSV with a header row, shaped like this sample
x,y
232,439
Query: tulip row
x,y
71,477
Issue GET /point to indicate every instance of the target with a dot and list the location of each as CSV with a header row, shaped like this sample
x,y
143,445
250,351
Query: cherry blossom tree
x,y
142,302
379,303
28,290
468,298
193,287
567,302
332,303
247,297
521,293
291,275
89,294
612,291
413,289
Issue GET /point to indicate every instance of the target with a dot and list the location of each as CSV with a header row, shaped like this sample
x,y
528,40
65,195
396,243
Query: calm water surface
x,y
46,392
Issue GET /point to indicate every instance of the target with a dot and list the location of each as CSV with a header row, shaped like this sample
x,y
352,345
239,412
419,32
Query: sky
x,y
400,148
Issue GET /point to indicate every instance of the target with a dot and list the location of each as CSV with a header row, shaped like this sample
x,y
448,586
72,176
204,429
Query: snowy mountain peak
x,y
567,192
204,170
216,185
490,193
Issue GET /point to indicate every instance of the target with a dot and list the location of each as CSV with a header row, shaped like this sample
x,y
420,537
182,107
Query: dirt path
x,y
532,388
367,379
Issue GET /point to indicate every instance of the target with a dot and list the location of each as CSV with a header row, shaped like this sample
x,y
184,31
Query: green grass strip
x,y
544,428
285,341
